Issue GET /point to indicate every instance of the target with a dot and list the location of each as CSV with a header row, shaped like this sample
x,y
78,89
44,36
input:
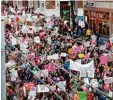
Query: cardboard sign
x,y
108,80
94,83
42,88
37,39
53,88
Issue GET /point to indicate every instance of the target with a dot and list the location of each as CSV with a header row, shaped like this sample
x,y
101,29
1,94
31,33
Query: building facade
x,y
100,16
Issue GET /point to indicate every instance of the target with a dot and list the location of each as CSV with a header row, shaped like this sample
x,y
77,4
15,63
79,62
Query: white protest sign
x,y
94,83
23,45
54,57
14,73
37,39
63,54
14,41
42,88
111,40
32,91
86,44
24,29
86,80
108,80
62,85
81,67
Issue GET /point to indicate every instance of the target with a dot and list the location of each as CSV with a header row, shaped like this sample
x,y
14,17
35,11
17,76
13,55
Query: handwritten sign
x,y
42,88
108,80
94,83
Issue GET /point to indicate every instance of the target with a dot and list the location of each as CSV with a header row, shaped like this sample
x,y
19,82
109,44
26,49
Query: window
x,y
50,4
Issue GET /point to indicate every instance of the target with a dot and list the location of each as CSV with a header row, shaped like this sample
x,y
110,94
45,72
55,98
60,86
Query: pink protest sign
x,y
103,59
50,67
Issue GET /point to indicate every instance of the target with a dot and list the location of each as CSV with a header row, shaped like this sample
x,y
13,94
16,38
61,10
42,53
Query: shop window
x,y
104,28
50,4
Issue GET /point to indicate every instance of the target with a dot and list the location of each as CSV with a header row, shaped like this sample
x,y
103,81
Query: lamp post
x,y
69,4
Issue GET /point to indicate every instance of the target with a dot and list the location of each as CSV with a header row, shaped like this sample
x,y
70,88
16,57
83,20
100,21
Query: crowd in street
x,y
42,49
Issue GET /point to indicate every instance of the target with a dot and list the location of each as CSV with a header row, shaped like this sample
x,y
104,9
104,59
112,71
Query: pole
x,y
3,77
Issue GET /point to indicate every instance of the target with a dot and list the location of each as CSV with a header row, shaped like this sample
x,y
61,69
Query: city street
x,y
57,50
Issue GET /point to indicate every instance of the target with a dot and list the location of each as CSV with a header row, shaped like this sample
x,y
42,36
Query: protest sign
x,y
14,73
13,41
54,57
86,44
37,39
108,80
86,80
28,86
50,67
32,91
63,54
94,83
103,59
78,67
53,87
62,85
42,88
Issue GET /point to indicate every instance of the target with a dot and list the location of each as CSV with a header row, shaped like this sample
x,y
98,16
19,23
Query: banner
x,y
42,88
81,67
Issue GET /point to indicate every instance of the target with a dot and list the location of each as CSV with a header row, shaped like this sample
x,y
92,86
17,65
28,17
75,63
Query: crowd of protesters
x,y
55,36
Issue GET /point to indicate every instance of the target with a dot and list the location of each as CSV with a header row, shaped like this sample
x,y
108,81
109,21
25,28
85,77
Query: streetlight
x,y
69,4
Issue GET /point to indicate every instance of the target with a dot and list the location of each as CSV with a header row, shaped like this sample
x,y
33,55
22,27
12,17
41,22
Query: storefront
x,y
100,19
